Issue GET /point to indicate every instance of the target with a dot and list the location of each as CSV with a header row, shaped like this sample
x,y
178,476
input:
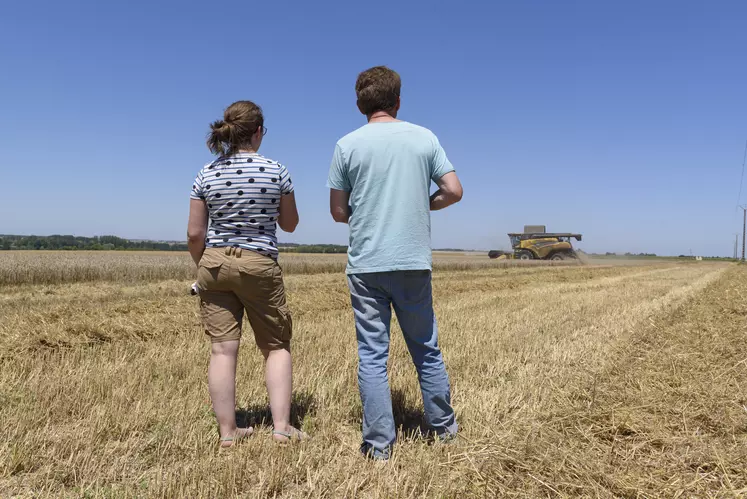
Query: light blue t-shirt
x,y
388,168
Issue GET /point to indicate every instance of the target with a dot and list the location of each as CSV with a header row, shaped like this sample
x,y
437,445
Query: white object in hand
x,y
195,289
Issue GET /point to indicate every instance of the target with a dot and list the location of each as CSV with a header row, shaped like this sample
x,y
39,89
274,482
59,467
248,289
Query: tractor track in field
x,y
566,290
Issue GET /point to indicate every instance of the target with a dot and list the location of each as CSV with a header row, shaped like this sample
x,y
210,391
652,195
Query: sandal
x,y
226,442
293,435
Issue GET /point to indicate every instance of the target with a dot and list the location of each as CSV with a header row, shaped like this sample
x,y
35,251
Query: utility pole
x,y
744,229
736,244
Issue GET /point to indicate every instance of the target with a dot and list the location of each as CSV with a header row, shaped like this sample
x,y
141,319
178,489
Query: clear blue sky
x,y
625,121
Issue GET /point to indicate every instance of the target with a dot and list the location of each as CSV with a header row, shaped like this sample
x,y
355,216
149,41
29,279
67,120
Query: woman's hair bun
x,y
240,121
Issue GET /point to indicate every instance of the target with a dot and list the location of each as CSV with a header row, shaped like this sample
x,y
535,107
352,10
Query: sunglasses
x,y
264,130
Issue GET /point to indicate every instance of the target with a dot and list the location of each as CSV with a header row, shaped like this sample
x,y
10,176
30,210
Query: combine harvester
x,y
535,243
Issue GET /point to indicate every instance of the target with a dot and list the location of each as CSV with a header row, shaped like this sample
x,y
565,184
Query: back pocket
x,y
208,271
252,264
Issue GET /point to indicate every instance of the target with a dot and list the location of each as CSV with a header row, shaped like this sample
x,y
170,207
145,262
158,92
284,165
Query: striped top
x,y
242,193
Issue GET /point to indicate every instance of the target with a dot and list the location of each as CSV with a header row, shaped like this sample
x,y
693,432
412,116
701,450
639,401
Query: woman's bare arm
x,y
197,228
288,219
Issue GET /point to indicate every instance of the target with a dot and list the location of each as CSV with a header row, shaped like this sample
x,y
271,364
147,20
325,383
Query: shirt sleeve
x,y
440,164
338,172
198,189
286,184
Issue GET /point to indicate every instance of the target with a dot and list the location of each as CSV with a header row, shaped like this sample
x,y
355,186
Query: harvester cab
x,y
535,243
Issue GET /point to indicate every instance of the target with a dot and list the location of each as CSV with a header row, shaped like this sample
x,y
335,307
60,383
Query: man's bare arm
x,y
449,192
338,205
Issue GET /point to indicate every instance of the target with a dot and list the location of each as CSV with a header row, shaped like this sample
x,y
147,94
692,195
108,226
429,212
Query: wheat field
x,y
55,267
597,380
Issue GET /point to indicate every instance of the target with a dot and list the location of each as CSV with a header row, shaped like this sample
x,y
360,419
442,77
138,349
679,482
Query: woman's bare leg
x,y
279,379
222,385
279,376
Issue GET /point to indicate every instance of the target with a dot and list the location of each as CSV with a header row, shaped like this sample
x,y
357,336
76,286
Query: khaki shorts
x,y
233,281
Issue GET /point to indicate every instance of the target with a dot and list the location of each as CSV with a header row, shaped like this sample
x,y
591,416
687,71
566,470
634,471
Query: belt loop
x,y
228,251
238,252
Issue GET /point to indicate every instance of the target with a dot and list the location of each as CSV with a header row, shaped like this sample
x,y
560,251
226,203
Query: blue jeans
x,y
409,292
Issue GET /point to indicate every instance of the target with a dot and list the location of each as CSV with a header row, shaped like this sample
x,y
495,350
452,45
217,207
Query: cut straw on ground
x,y
567,381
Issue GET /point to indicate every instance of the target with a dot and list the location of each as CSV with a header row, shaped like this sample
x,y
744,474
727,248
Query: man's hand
x,y
449,192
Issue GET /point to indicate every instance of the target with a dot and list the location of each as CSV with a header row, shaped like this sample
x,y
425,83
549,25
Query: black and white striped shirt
x,y
242,193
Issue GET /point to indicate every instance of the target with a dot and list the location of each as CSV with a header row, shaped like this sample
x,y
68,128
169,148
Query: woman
x,y
244,196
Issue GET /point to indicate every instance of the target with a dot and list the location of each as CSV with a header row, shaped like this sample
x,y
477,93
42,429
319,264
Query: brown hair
x,y
377,90
240,121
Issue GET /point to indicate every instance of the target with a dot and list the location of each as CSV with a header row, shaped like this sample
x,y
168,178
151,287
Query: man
x,y
379,184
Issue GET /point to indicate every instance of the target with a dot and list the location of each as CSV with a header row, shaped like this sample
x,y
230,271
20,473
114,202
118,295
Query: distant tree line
x,y
722,258
634,255
59,242
312,248
610,253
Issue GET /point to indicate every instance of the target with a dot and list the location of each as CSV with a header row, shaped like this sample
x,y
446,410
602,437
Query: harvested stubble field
x,y
567,381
